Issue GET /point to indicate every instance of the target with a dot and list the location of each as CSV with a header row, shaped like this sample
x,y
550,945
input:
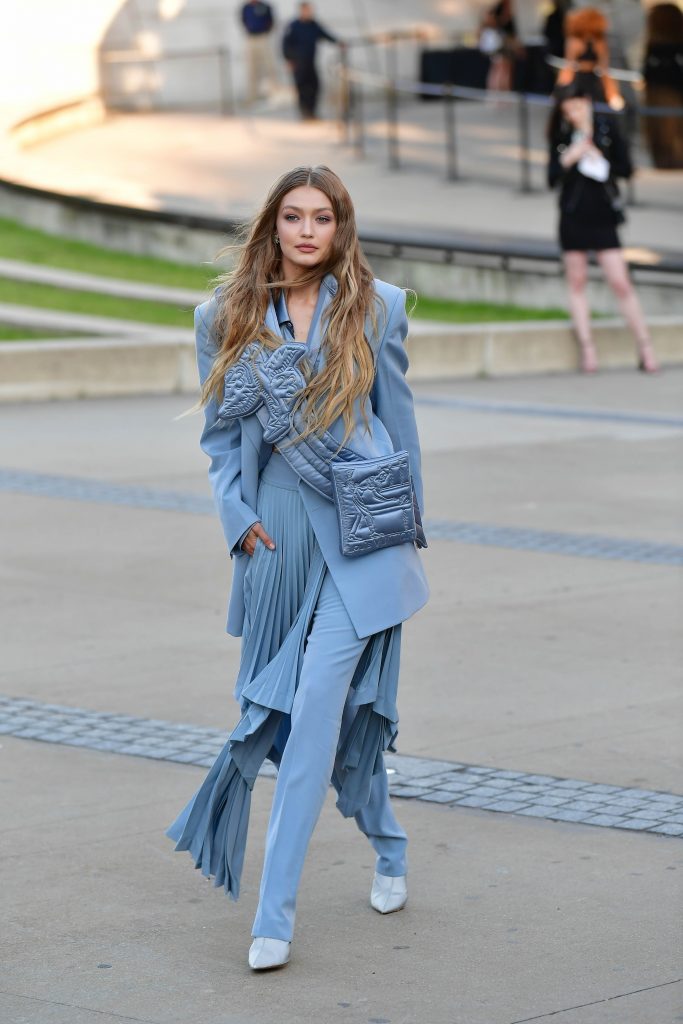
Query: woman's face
x,y
306,226
577,111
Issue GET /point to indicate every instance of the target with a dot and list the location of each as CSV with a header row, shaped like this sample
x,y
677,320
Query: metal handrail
x,y
392,87
471,93
222,54
443,244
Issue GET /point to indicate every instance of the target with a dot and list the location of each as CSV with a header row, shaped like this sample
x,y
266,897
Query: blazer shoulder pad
x,y
206,312
386,297
387,292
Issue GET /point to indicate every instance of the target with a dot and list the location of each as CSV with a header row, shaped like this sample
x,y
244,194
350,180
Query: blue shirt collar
x,y
328,283
285,324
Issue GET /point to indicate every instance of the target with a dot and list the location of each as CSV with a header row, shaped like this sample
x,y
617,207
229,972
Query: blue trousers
x,y
320,712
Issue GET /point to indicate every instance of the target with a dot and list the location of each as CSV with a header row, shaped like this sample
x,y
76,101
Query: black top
x,y
301,38
553,30
664,65
586,199
504,18
257,18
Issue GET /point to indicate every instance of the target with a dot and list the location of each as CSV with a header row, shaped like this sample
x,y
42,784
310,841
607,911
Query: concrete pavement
x,y
604,680
529,660
508,920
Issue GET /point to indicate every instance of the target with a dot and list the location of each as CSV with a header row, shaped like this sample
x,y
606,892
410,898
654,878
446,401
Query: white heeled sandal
x,y
388,893
265,954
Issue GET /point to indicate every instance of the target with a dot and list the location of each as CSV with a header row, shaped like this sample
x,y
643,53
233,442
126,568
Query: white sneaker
x,y
265,954
388,893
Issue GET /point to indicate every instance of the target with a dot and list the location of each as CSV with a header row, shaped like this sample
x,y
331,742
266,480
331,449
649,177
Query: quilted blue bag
x,y
374,498
374,502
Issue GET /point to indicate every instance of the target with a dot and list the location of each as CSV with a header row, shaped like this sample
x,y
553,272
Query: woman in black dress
x,y
587,154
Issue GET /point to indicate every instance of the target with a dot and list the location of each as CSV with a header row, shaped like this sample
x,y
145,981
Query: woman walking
x,y
315,469
587,155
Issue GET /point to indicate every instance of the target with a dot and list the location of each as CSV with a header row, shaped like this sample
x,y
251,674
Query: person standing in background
x,y
299,45
663,75
587,155
553,27
499,40
257,18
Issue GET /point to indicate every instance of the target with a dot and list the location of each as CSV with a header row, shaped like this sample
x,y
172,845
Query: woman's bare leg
x,y
576,272
617,276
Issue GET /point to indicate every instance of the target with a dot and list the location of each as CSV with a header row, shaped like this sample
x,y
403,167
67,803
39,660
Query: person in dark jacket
x,y
499,22
663,74
587,155
299,46
553,27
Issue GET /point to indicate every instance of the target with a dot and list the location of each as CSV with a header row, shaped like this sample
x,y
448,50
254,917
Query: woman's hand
x,y
256,533
573,153
593,150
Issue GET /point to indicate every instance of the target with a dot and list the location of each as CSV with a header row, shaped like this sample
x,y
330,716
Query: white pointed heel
x,y
265,954
388,894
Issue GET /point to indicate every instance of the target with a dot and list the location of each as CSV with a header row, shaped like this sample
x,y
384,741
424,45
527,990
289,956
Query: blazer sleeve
x,y
221,440
391,397
288,42
556,172
555,168
324,34
617,152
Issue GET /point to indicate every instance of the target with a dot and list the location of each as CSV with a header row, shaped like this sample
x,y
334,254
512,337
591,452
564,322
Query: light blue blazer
x,y
379,589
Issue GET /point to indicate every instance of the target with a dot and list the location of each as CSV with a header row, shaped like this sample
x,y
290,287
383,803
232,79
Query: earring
x,y
276,238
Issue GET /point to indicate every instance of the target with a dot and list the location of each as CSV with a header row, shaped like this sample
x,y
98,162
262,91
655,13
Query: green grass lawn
x,y
43,296
9,332
479,312
20,243
49,297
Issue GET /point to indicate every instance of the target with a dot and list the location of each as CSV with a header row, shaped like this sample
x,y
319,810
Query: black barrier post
x,y
451,146
345,119
630,128
227,100
392,126
524,166
357,107
392,105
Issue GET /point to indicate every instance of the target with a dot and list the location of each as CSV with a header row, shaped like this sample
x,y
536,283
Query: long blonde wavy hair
x,y
348,372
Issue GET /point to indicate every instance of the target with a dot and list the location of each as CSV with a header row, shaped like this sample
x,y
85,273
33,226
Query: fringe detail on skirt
x,y
281,592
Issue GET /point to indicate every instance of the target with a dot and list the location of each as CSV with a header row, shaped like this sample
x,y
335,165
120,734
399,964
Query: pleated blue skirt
x,y
281,588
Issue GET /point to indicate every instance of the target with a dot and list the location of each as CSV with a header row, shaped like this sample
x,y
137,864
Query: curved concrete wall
x,y
148,61
133,48
49,52
55,52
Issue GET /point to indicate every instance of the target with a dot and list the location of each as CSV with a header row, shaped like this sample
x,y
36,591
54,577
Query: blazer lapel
x,y
316,332
251,425
271,317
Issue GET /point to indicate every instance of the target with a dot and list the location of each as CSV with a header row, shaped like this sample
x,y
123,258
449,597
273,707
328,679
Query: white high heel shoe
x,y
388,893
264,953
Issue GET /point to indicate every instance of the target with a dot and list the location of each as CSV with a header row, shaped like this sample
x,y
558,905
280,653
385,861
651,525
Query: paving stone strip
x,y
558,412
581,545
411,778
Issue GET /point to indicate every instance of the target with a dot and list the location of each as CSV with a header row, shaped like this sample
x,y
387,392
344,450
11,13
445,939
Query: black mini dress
x,y
589,213
590,222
